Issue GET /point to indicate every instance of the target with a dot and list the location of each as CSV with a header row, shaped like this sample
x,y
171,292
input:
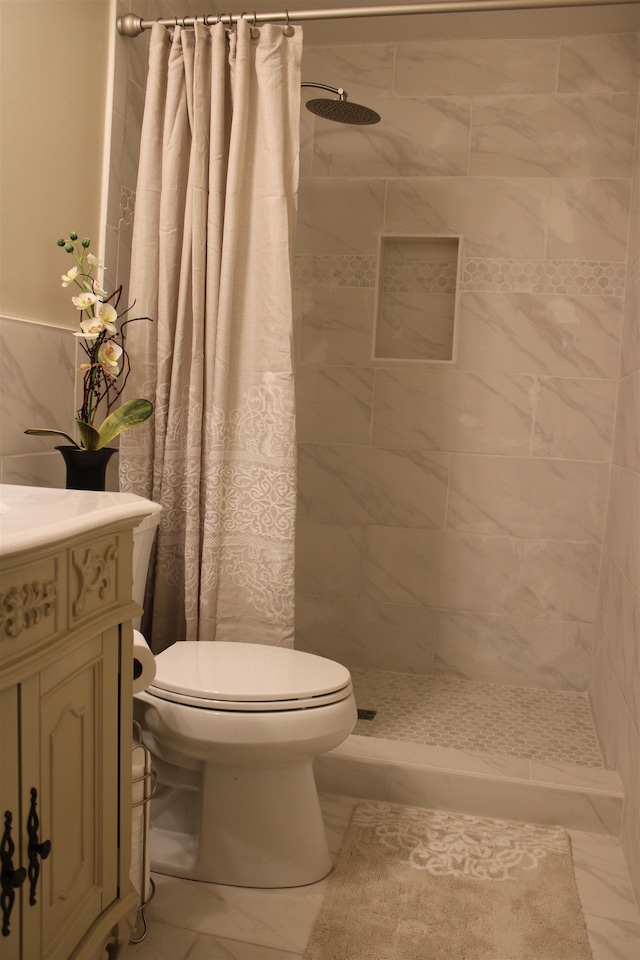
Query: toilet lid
x,y
247,676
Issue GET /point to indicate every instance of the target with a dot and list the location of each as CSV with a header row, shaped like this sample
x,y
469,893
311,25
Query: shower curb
x,y
443,778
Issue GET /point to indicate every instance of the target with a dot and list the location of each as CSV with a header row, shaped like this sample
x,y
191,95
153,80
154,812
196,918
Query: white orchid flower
x,y
85,300
90,328
93,260
68,278
109,357
101,292
107,315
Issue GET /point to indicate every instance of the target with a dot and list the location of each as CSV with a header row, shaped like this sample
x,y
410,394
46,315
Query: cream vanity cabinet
x,y
65,722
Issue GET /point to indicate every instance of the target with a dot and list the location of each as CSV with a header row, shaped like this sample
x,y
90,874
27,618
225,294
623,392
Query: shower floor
x,y
480,748
487,718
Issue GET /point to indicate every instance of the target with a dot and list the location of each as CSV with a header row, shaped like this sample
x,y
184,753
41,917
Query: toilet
x,y
233,729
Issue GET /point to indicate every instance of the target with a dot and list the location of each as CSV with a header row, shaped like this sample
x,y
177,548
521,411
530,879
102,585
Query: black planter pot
x,y
86,468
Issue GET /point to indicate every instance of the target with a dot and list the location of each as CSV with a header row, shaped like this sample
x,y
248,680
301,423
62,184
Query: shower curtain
x,y
211,265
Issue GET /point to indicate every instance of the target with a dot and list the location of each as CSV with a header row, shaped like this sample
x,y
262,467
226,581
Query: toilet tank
x,y
143,537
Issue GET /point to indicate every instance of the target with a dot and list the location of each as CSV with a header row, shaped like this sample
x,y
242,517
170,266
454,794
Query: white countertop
x,y
38,516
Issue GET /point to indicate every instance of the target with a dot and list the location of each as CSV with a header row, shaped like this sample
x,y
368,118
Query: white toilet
x,y
233,729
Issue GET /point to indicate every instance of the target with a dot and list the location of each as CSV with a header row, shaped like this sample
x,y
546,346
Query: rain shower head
x,y
340,110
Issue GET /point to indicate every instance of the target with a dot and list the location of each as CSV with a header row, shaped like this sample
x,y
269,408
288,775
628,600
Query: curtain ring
x,y
255,33
288,30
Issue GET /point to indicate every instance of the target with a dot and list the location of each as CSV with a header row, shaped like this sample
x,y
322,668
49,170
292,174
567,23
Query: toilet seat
x,y
247,677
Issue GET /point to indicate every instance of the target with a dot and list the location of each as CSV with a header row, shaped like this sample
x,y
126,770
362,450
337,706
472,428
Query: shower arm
x,y
131,25
342,94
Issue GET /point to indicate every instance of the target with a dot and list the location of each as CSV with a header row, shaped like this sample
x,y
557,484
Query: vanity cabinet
x,y
65,744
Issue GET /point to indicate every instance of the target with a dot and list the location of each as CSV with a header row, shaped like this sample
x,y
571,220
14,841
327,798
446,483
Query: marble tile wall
x,y
452,515
615,681
37,363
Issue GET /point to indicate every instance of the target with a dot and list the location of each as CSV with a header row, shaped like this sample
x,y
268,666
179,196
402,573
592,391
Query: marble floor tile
x,y
189,920
212,948
279,920
613,939
163,941
602,877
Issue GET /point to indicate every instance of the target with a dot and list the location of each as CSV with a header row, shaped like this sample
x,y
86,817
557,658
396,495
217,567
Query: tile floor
x,y
190,920
551,725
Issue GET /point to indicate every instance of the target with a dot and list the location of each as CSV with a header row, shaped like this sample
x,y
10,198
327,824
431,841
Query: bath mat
x,y
413,884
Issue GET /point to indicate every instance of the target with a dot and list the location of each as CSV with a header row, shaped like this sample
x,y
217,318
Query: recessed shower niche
x,y
417,298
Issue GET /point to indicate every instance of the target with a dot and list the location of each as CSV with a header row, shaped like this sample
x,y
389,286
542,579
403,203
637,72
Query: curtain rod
x,y
131,25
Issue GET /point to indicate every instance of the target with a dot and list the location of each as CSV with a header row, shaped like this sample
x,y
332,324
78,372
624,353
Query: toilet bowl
x,y
233,729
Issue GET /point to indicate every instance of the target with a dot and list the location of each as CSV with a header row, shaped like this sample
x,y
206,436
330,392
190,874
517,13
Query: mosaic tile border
x,y
568,277
414,277
571,277
127,206
335,271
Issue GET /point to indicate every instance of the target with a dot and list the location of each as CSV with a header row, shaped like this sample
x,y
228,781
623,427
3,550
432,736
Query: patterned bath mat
x,y
413,884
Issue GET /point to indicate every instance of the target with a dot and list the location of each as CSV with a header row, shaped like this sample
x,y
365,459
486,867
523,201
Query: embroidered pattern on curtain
x,y
211,262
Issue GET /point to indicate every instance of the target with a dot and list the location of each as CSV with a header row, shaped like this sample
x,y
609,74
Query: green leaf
x,y
51,433
130,414
89,435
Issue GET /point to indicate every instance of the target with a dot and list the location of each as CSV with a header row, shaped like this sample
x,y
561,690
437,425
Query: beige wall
x,y
54,75
54,80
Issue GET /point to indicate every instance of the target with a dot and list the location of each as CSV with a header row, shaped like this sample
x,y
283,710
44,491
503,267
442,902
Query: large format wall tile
x,y
417,138
439,569
568,136
406,488
325,226
574,419
37,377
558,580
362,633
622,539
541,499
329,558
618,619
626,450
34,470
335,325
363,71
619,734
588,220
597,64
496,217
532,333
452,410
554,654
630,352
334,404
478,66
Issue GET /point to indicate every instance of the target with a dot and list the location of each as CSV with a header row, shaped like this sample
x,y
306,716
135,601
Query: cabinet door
x,y
10,804
77,723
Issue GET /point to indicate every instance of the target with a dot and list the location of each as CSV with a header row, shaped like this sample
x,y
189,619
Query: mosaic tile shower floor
x,y
481,717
